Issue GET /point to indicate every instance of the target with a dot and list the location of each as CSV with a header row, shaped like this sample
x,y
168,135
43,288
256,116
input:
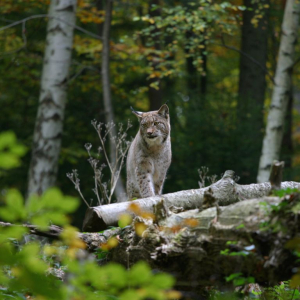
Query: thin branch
x,y
247,55
47,16
53,231
104,151
96,190
76,183
7,20
73,77
296,61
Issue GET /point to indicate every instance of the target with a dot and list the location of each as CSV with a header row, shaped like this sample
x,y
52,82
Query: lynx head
x,y
154,125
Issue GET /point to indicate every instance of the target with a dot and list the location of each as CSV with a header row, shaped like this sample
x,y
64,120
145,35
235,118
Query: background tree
x,y
282,90
107,99
49,122
252,85
206,129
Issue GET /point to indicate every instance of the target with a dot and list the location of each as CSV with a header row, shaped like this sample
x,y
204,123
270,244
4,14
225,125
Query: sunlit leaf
x,y
140,228
124,220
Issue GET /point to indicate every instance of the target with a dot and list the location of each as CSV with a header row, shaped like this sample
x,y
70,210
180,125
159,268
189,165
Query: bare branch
x,y
47,16
76,181
248,56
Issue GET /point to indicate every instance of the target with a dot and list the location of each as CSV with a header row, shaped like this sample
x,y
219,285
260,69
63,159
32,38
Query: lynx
x,y
149,155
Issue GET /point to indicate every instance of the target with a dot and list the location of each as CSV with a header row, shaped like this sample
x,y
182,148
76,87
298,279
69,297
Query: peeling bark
x,y
194,246
53,95
193,253
282,89
92,240
225,191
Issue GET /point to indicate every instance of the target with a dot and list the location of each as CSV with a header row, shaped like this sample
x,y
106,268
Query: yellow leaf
x,y
191,222
147,215
134,208
173,294
124,220
111,243
140,228
295,281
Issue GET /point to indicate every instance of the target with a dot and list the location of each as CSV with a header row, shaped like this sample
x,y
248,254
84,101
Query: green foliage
x,y
10,151
25,269
239,280
285,209
52,206
282,291
284,192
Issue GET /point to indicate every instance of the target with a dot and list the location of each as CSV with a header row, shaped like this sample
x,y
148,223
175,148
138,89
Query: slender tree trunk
x,y
280,97
109,111
287,140
53,95
252,85
197,82
155,94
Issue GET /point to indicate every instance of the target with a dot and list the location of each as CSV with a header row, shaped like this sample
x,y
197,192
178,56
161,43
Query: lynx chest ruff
x,y
149,156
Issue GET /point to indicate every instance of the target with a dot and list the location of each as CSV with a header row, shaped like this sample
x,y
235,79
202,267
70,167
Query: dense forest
x,y
228,71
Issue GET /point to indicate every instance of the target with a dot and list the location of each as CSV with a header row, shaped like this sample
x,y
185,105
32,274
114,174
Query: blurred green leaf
x,y
7,139
14,210
162,281
10,150
139,274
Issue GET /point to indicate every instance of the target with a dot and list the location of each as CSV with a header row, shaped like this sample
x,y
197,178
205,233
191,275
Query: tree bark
x,y
108,106
283,82
92,240
252,85
196,248
53,95
201,247
225,191
197,82
155,95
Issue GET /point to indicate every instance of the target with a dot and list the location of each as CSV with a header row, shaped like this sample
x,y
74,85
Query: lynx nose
x,y
150,131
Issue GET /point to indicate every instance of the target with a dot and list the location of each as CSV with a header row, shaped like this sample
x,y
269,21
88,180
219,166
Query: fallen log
x,y
225,191
92,240
248,237
201,247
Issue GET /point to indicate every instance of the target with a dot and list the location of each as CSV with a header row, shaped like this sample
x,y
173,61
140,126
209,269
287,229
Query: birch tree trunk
x,y
283,82
109,111
53,96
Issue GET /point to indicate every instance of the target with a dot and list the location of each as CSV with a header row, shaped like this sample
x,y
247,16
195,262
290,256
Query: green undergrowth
x,y
60,269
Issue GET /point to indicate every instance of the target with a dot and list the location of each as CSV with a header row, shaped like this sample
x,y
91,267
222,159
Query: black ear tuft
x,y
137,113
164,111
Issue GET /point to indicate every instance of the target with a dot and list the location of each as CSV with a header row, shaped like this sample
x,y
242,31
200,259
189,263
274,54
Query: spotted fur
x,y
149,156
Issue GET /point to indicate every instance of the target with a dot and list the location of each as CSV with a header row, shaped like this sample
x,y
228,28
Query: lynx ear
x,y
164,111
137,113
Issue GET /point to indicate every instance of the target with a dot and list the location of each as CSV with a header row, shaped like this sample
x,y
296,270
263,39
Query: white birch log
x,y
53,96
283,82
225,192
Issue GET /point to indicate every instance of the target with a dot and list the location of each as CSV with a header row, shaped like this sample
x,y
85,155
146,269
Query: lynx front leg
x,y
158,187
158,184
145,179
